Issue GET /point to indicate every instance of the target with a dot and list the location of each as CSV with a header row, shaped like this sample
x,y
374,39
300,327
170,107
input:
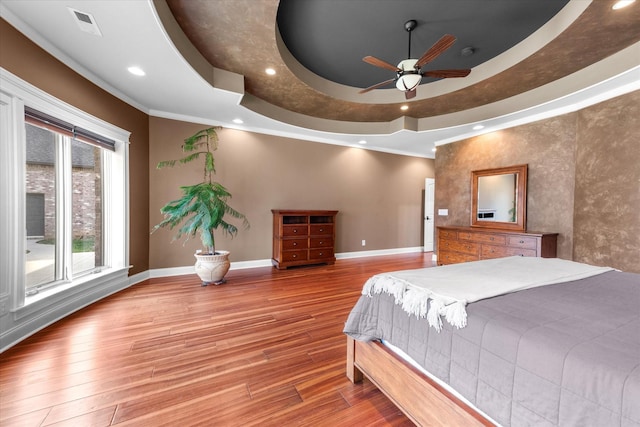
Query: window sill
x,y
78,293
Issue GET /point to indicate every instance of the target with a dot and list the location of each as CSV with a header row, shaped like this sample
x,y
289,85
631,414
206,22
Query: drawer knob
x,y
322,229
521,241
295,230
320,254
295,243
320,243
295,256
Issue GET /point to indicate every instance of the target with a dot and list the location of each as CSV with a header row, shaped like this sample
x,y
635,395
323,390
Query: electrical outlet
x,y
364,243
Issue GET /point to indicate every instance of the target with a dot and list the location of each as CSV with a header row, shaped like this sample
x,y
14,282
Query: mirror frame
x,y
521,198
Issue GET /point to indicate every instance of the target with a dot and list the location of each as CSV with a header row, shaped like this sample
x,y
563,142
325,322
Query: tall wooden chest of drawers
x,y
462,244
303,237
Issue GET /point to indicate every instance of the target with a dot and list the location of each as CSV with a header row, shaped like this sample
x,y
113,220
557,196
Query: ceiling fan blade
x,y
380,63
410,94
377,85
440,46
443,74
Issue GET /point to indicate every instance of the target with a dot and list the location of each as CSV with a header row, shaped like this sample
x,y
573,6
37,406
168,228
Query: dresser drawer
x,y
496,239
523,242
490,251
321,229
294,230
320,253
447,234
446,257
321,242
290,244
294,256
458,246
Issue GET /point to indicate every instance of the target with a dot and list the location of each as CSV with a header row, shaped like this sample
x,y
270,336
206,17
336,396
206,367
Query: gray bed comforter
x,y
557,355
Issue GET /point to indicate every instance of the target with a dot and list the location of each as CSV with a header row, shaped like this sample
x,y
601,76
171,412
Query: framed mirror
x,y
499,198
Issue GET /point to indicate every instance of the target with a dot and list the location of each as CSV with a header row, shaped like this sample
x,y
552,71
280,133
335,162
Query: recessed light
x,y
621,3
404,107
136,71
270,71
237,121
478,127
362,141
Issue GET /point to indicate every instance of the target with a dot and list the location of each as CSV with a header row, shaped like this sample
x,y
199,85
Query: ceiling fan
x,y
409,72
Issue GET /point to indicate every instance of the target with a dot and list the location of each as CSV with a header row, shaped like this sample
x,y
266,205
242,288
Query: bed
x,y
550,353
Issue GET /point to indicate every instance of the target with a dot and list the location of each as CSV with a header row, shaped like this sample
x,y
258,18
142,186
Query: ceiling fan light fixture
x,y
408,78
409,81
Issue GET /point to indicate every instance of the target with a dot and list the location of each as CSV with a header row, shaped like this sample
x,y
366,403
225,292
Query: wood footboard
x,y
420,398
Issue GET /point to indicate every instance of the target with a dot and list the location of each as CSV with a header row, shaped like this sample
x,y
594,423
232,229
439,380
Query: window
x,y
60,168
64,216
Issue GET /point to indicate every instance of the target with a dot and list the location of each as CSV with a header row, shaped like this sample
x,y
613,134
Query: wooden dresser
x,y
463,244
302,237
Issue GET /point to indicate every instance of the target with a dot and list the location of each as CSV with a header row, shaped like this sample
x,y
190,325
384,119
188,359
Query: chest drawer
x,y
290,244
321,229
320,253
522,242
321,242
294,230
458,246
297,255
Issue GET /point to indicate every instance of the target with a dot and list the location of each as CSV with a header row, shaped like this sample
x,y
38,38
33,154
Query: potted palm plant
x,y
203,208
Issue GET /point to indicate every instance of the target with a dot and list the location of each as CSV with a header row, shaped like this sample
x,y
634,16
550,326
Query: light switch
x,y
443,212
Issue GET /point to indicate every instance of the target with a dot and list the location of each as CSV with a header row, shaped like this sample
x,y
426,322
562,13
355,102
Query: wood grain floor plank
x,y
265,349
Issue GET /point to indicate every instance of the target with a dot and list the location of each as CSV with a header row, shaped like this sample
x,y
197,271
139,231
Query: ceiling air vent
x,y
85,22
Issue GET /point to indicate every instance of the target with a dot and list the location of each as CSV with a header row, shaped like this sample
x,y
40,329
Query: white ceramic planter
x,y
212,268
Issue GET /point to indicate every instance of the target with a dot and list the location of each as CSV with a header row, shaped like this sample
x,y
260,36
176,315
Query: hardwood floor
x,y
265,349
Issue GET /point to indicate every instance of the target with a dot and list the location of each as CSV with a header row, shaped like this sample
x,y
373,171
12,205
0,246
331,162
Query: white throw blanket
x,y
449,288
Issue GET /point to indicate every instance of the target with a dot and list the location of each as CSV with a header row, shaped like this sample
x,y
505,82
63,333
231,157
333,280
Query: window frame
x,y
16,93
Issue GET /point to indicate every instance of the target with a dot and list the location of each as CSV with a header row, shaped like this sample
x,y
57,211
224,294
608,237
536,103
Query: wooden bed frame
x,y
421,399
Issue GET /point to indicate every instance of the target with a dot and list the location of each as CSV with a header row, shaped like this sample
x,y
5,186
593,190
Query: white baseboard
x,y
239,265
379,252
139,277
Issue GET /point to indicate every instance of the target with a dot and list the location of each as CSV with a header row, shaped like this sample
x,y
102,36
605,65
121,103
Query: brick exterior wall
x,y
87,188
87,209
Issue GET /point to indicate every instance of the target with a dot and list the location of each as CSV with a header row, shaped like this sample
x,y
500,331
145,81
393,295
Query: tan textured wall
x,y
587,161
379,195
607,206
26,60
548,147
